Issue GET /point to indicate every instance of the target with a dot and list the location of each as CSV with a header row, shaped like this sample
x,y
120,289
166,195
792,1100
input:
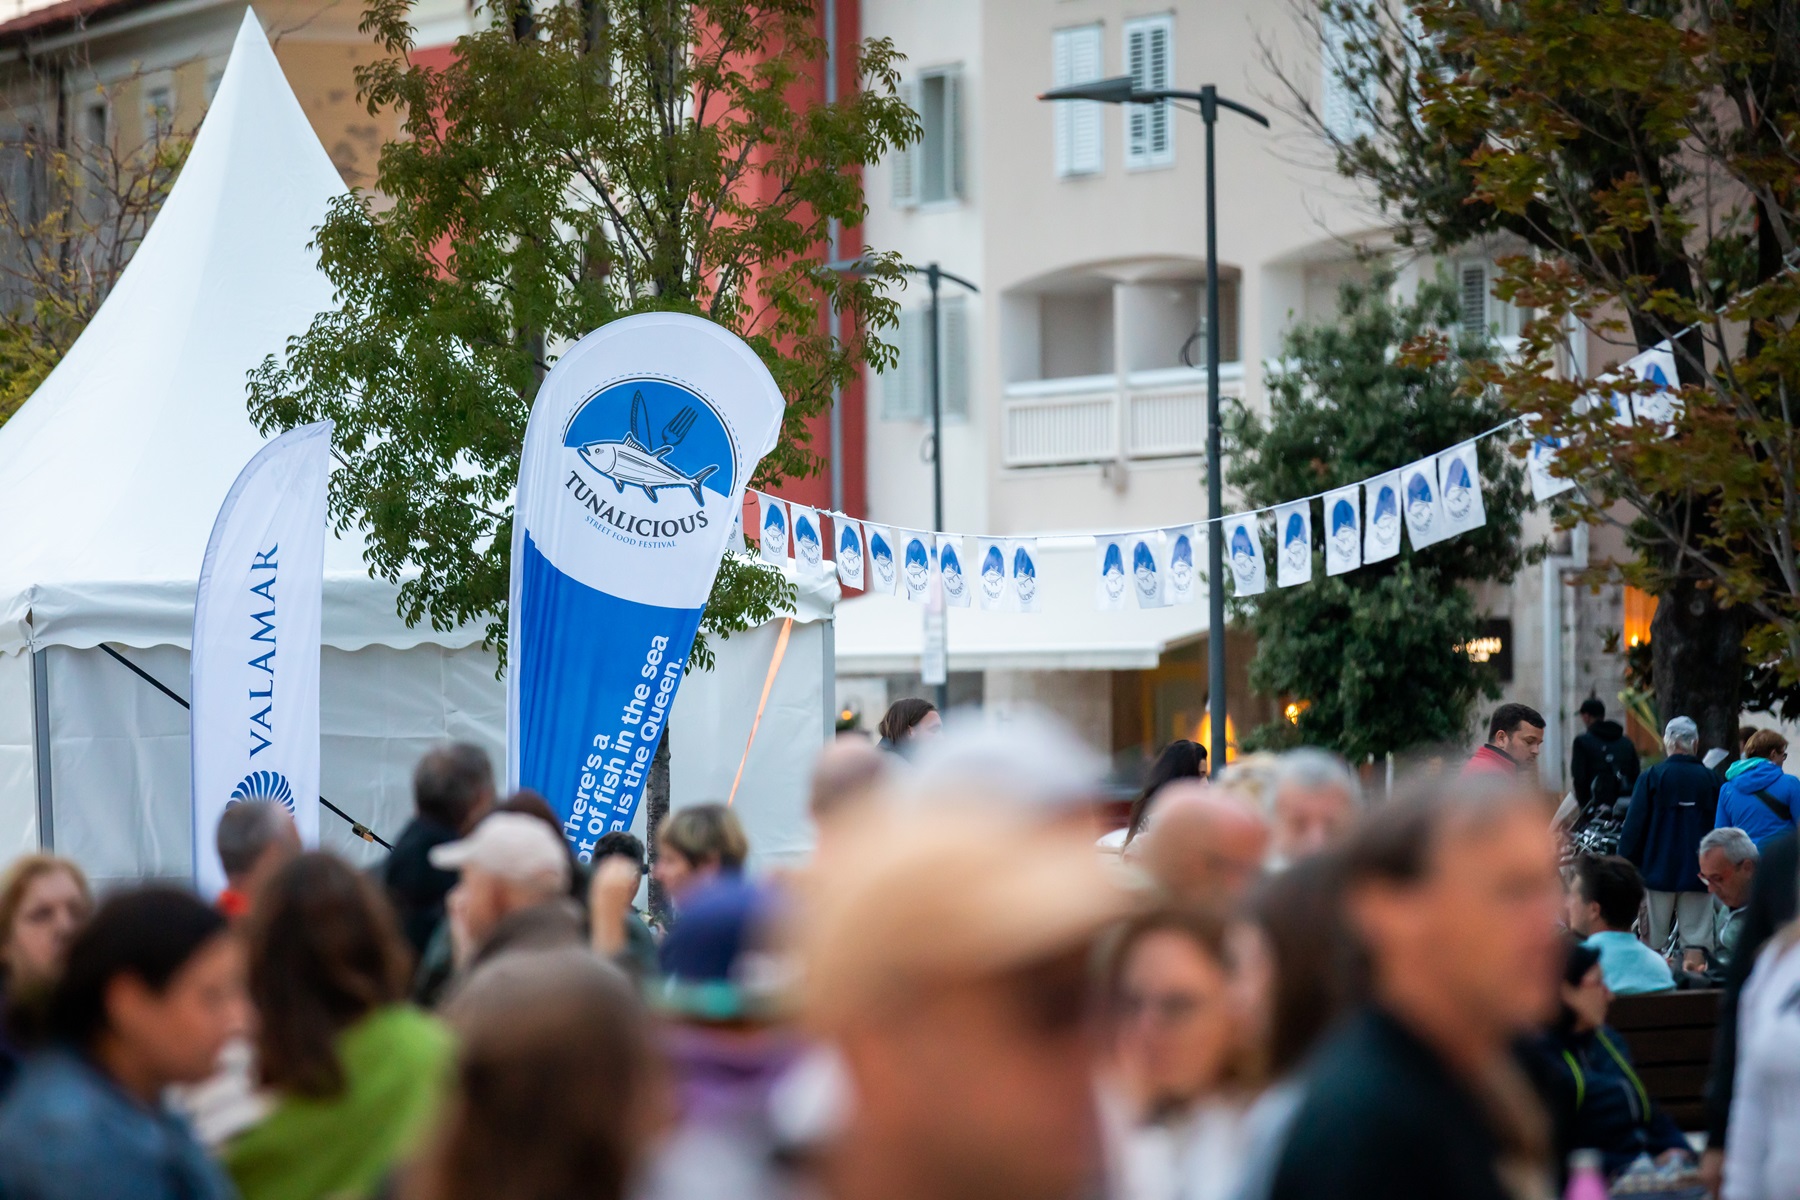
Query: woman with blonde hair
x,y
44,901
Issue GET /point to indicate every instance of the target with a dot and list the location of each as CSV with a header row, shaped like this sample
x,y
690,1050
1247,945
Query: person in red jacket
x,y
1515,735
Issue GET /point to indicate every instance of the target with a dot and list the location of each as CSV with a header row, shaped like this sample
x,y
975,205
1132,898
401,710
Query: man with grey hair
x,y
1313,804
1728,861
1672,808
255,839
453,789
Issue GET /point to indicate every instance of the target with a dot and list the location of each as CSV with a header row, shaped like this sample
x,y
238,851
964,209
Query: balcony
x,y
1092,418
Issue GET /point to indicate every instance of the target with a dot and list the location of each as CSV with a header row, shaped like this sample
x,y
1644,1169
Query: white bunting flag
x,y
849,557
882,568
1293,532
1459,489
1381,509
992,583
1149,569
773,521
1022,559
1184,543
736,540
1343,530
1109,566
915,564
809,539
1424,514
1540,464
957,586
1657,366
1244,553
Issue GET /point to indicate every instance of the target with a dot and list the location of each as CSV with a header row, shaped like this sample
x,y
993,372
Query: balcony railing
x,y
1156,414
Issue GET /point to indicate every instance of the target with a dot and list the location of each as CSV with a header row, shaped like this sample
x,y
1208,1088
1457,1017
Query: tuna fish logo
x,y
640,460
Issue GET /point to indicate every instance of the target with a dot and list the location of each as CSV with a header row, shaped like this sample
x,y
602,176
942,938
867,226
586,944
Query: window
x,y
930,171
159,107
93,124
1075,58
906,390
1479,312
1338,103
1150,61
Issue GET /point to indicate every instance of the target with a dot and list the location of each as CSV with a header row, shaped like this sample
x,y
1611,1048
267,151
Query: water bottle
x,y
1586,1181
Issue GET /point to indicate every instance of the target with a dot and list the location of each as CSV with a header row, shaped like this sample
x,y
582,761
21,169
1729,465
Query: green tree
x,y
578,162
1645,152
1375,655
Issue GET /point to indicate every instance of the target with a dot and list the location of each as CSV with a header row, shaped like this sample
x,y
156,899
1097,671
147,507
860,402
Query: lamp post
x,y
935,276
1122,90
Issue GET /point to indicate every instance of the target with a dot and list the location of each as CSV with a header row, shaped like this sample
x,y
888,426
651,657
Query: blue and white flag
x,y
1184,543
772,524
1109,567
1419,493
955,579
1293,532
1244,556
992,584
1149,569
849,556
254,670
915,564
1343,530
1540,468
1022,560
882,567
1381,514
1662,407
1459,489
639,445
809,540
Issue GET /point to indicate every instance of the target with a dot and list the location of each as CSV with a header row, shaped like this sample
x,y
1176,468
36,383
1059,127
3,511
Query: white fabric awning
x,y
879,634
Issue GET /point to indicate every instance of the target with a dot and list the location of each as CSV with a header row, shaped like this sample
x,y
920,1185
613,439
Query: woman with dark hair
x,y
152,990
906,721
43,902
1597,1101
358,1073
557,1089
1180,759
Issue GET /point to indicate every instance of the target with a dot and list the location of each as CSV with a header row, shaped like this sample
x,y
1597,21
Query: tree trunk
x,y
656,807
1697,654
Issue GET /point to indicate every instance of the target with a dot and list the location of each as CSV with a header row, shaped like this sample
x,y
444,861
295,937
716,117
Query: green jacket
x,y
397,1068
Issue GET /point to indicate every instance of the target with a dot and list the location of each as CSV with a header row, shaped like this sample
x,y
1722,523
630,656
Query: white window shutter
x,y
1472,298
1159,51
905,161
899,386
1150,61
953,135
1076,58
953,321
1137,116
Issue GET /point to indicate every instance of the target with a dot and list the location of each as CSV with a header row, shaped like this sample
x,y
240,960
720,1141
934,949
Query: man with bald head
x,y
1207,846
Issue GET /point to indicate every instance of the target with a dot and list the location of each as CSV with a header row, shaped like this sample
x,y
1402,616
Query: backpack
x,y
1610,784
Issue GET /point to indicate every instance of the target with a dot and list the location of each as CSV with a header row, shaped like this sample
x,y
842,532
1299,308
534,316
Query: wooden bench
x,y
1671,1040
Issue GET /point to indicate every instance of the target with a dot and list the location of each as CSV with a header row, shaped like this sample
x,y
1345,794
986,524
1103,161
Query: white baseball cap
x,y
514,846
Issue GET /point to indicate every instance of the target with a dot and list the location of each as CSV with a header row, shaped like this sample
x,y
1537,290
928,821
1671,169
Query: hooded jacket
x,y
1672,808
1739,804
1588,762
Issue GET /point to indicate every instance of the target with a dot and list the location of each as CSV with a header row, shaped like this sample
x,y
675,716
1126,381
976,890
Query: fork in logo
x,y
678,427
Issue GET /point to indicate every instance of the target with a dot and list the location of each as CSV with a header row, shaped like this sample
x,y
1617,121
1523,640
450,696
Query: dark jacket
x,y
415,886
1672,808
1603,755
1772,904
1597,1101
1741,806
1384,1119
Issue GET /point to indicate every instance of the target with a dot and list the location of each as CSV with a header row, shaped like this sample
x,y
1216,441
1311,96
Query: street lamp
x,y
1121,90
935,276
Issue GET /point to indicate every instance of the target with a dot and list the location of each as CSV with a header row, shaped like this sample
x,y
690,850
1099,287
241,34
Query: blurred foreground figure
x,y
153,989
558,1092
1174,1105
846,781
946,962
1315,801
1206,846
1453,898
357,1074
512,891
43,902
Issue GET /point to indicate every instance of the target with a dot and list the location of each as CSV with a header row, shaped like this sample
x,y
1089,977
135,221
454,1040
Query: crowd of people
x,y
1268,985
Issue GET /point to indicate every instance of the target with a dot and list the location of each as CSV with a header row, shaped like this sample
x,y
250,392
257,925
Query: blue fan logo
x,y
263,785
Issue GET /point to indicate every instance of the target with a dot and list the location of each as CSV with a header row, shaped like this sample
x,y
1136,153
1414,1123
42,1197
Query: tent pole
x,y
40,744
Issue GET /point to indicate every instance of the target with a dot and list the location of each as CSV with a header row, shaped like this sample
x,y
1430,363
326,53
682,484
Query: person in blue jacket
x,y
1673,806
1759,797
1596,1100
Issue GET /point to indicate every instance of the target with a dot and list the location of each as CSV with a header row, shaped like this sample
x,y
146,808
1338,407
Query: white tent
x,y
114,471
